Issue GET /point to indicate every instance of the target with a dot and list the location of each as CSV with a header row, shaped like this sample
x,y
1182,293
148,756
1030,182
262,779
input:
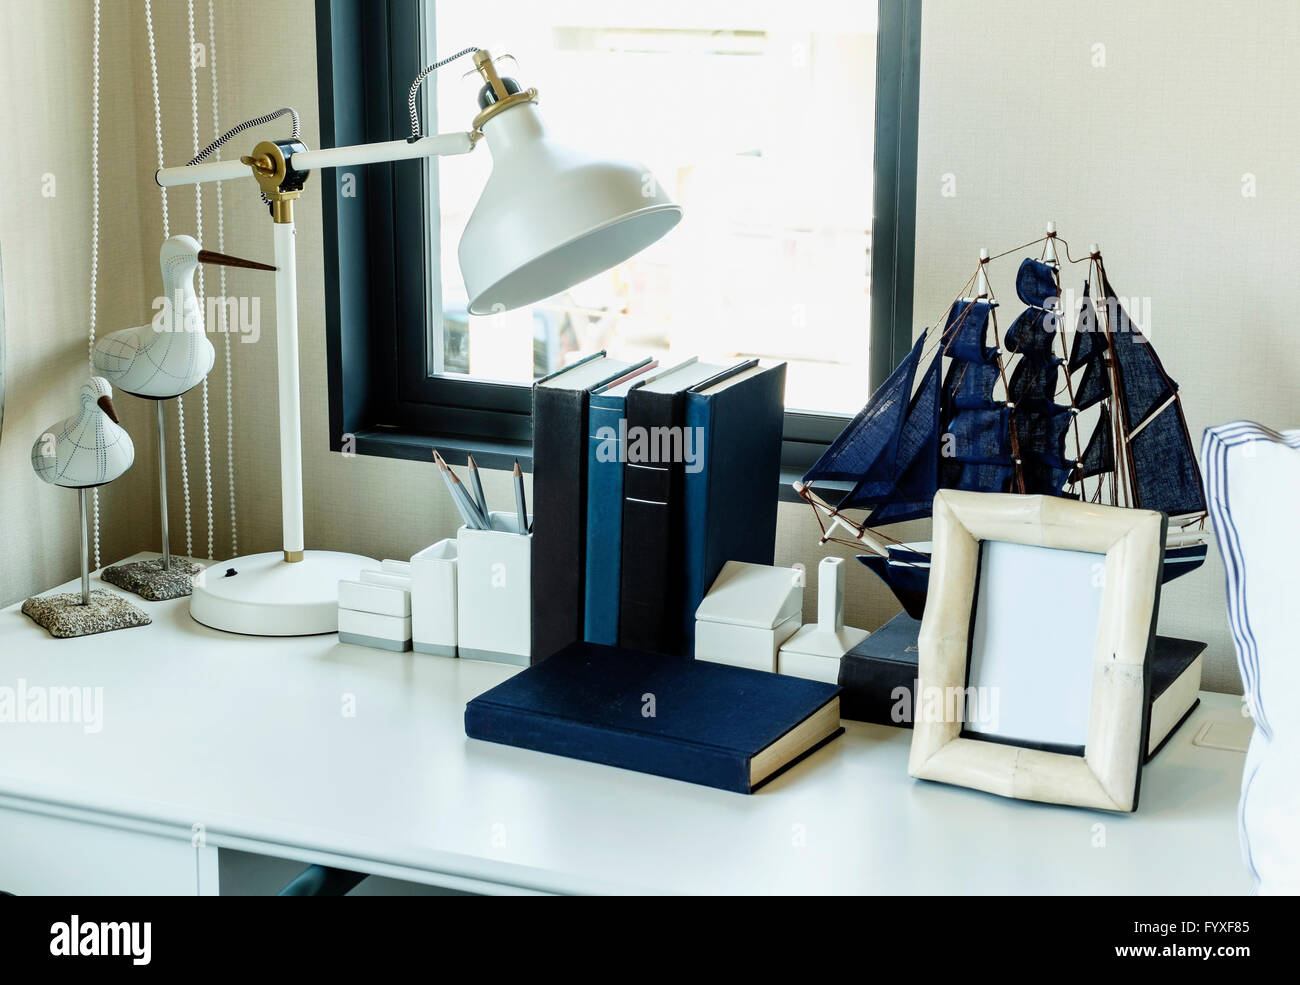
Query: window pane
x,y
757,118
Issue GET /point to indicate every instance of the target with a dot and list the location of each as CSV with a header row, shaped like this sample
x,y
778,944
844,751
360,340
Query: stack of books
x,y
646,480
375,608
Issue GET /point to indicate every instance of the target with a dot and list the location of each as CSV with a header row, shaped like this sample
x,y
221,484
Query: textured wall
x,y
45,237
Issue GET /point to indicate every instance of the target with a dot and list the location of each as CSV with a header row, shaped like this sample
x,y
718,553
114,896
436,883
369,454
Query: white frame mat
x,y
1107,775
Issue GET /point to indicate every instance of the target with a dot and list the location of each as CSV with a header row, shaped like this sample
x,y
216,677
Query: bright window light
x,y
759,117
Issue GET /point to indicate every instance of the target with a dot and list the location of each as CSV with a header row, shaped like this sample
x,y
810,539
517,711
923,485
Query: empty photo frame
x,y
1034,648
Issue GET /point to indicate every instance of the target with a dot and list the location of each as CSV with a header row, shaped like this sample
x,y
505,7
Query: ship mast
x,y
1123,478
984,292
1051,258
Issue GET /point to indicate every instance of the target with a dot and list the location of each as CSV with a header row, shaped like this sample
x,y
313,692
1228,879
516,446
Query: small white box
x,y
372,576
748,613
813,666
433,599
400,568
372,629
365,596
493,592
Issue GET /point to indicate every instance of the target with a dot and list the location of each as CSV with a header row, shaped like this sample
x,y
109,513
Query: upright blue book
x,y
607,410
731,485
692,720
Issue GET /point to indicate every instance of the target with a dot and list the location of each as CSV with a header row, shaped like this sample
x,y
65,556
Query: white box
x,y
371,629
365,596
433,599
493,592
748,613
813,666
374,576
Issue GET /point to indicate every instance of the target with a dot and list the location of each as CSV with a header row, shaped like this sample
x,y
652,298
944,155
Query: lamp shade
x,y
550,217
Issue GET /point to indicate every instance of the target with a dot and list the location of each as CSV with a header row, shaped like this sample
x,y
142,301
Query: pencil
x,y
477,489
477,521
520,505
469,516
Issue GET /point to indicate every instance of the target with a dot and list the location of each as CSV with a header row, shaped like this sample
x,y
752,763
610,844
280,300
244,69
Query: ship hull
x,y
907,571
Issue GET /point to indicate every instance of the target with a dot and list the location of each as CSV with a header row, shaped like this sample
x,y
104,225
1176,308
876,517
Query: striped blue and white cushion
x,y
1252,478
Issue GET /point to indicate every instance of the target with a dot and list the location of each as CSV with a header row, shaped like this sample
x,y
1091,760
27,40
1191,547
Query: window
x,y
778,127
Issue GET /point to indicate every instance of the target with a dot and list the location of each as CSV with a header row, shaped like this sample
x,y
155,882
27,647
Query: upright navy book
x,y
701,722
730,494
560,499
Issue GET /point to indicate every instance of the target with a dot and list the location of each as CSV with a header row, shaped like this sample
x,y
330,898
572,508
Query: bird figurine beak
x,y
106,405
224,260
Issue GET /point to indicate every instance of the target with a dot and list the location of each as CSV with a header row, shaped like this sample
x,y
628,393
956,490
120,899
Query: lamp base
x,y
264,595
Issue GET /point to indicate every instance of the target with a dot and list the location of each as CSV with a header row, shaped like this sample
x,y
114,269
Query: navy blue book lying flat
x,y
692,720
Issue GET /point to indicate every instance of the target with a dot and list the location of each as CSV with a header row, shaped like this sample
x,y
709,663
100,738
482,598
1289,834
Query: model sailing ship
x,y
1086,412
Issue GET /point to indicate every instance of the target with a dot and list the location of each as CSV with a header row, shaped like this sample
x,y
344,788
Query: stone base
x,y
63,616
151,581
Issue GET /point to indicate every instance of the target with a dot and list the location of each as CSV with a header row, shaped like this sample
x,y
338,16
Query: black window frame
x,y
382,400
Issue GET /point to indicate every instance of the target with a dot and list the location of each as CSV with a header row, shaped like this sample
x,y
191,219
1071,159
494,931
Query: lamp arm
x,y
438,145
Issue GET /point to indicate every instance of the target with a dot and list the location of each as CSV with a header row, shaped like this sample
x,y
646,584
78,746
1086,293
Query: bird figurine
x,y
159,361
171,354
89,448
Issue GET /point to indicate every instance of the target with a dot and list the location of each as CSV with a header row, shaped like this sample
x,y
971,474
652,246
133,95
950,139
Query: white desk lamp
x,y
547,219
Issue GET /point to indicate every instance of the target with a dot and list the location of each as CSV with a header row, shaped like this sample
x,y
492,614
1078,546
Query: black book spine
x,y
877,691
650,596
559,518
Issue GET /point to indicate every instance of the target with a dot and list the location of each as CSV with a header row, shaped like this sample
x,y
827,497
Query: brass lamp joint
x,y
280,182
504,98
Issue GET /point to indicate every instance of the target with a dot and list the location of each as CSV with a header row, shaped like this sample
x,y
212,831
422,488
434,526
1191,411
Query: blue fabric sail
x,y
1089,340
1093,386
1088,352
918,457
975,450
1032,384
969,386
981,436
1036,282
866,448
1033,335
978,476
966,333
1165,474
1042,479
1039,422
1041,437
1145,384
1099,456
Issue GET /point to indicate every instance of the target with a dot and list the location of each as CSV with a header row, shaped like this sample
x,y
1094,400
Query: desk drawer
x,y
41,854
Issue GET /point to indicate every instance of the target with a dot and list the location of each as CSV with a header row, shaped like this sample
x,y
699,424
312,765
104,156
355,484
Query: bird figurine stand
x,y
88,449
814,651
161,361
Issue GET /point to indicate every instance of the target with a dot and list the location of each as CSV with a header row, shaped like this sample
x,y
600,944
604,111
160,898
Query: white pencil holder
x,y
433,599
493,591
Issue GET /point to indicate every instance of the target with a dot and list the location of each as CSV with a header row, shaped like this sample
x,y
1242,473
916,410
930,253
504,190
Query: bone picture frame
x,y
1108,774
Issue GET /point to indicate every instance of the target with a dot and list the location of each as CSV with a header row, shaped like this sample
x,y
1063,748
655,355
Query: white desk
x,y
251,739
